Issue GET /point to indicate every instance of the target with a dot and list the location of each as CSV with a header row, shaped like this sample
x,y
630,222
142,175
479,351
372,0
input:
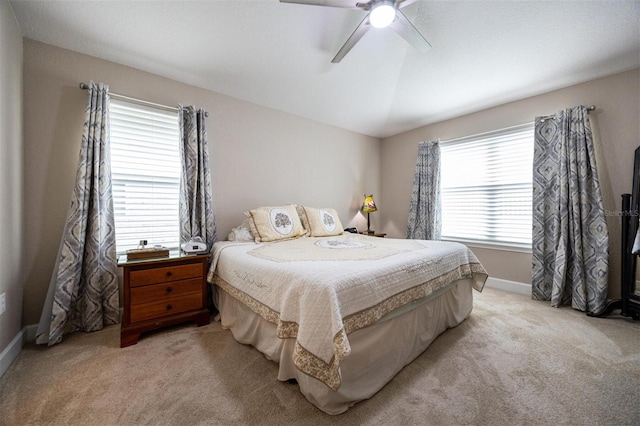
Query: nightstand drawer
x,y
164,291
165,274
162,308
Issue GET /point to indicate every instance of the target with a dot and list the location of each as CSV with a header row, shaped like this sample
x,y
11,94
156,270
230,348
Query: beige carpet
x,y
513,362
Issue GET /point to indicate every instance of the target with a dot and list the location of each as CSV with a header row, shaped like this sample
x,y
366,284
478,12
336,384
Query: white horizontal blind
x,y
486,187
145,173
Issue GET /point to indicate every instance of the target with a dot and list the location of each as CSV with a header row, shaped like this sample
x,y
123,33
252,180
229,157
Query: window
x,y
145,174
486,187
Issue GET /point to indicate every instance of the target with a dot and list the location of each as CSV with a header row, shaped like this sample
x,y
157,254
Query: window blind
x,y
145,174
486,187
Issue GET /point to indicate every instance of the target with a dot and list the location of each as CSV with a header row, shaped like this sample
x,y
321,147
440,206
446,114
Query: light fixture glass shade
x,y
382,14
369,206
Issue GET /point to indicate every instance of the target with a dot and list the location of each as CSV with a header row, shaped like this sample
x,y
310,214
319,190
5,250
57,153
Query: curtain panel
x,y
425,209
83,291
196,203
570,246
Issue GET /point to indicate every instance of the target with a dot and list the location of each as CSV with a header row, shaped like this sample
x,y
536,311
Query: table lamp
x,y
369,206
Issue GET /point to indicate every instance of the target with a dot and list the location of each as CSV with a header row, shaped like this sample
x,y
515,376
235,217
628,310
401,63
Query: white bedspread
x,y
318,290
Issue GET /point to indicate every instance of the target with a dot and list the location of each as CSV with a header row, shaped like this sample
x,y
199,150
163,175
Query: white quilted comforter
x,y
319,290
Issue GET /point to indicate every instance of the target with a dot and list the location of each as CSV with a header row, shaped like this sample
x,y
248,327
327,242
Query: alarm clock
x,y
194,247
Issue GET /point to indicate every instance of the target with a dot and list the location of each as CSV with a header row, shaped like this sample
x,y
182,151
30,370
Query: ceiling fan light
x,y
382,14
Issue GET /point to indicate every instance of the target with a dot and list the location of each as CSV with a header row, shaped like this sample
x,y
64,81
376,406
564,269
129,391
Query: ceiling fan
x,y
382,13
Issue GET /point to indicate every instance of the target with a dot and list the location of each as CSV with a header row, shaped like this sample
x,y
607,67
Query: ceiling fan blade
x,y
352,40
349,4
407,31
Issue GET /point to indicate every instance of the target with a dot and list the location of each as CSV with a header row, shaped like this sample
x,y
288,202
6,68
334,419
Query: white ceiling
x,y
485,53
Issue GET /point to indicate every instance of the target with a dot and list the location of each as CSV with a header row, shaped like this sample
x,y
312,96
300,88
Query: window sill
x,y
492,246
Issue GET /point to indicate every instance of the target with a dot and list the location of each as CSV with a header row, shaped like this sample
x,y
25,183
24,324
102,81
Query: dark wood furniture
x,y
630,290
629,302
163,292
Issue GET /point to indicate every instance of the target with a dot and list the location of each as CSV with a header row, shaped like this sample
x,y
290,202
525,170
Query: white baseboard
x,y
10,353
506,285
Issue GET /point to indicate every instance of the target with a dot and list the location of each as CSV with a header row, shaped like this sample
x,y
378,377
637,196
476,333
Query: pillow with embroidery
x,y
275,223
320,222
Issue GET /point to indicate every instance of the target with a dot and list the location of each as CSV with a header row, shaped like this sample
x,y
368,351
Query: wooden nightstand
x,y
163,292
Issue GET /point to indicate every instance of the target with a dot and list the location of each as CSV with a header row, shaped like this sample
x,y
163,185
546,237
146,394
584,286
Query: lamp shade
x,y
369,206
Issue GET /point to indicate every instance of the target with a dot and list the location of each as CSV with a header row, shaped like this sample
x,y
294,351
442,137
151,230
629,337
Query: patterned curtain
x,y
570,246
83,292
424,211
196,204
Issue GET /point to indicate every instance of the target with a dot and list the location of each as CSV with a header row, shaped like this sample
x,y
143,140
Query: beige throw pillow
x,y
320,222
275,223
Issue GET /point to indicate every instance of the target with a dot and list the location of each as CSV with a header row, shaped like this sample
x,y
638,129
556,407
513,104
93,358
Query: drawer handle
x,y
169,307
169,289
169,273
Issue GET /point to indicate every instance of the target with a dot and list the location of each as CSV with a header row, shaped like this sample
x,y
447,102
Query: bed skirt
x,y
371,364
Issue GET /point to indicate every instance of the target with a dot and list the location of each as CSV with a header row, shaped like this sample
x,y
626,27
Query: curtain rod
x,y
589,109
84,86
491,132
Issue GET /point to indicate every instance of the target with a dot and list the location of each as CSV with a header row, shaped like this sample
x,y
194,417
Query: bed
x,y
343,313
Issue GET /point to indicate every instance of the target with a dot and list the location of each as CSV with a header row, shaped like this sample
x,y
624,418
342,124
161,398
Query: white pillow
x,y
241,233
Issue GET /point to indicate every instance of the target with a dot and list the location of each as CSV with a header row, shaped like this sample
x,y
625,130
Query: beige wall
x,y
258,156
10,174
616,129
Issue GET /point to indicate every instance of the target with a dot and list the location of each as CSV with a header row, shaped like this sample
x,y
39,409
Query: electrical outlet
x,y
3,303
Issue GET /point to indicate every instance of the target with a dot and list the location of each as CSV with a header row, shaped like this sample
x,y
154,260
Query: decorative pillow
x,y
241,233
320,222
275,223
